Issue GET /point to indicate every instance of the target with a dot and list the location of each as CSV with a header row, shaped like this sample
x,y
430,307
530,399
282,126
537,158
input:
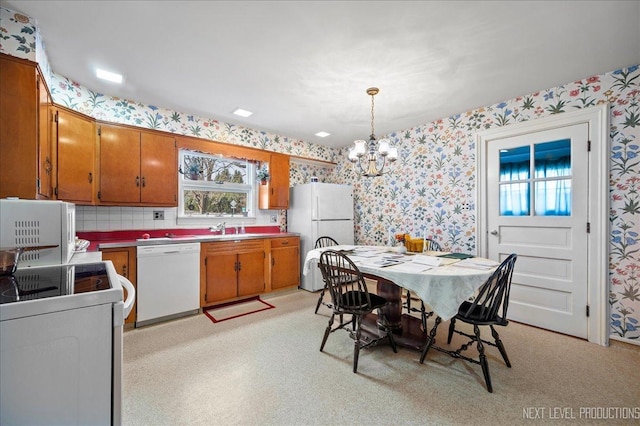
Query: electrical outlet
x,y
274,218
158,215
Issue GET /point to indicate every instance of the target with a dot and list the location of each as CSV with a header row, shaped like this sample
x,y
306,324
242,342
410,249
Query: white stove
x,y
61,344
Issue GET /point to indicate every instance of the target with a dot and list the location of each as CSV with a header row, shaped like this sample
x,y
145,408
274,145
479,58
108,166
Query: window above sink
x,y
214,187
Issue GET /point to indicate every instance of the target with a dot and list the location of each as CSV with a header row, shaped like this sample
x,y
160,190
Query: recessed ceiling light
x,y
323,134
109,76
242,112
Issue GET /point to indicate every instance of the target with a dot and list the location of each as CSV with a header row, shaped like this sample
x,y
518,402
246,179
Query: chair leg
x,y
430,340
392,341
356,343
452,327
483,359
320,298
500,346
327,331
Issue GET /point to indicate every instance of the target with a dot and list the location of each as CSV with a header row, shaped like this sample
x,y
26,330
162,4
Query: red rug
x,y
235,309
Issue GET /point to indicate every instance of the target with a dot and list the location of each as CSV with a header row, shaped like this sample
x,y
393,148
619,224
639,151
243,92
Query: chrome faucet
x,y
221,227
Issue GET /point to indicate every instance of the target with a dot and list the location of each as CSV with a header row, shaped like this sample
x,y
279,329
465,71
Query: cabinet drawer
x,y
235,246
285,242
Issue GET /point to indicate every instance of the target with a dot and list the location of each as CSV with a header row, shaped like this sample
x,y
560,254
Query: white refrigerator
x,y
318,210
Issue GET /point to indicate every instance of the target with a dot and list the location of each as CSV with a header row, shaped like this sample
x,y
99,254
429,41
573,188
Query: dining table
x,y
442,280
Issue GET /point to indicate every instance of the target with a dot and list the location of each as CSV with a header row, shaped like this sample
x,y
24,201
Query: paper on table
x,y
380,263
427,260
411,267
366,252
477,263
341,247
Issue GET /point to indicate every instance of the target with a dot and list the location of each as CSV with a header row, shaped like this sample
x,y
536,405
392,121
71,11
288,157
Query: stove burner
x,y
39,283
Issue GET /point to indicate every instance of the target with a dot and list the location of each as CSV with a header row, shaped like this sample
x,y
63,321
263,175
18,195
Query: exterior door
x,y
537,207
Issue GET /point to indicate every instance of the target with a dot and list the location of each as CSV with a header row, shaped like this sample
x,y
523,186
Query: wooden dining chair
x,y
322,242
429,245
349,296
488,307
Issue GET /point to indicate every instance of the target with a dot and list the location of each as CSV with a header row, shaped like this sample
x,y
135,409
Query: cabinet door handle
x,y
285,242
143,182
239,266
124,271
273,261
47,166
90,177
137,180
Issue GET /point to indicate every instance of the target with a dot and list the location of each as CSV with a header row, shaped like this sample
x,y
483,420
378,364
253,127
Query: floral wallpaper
x,y
435,179
432,191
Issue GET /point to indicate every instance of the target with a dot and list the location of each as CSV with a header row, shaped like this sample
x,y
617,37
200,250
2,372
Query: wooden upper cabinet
x,y
76,141
20,155
137,167
45,141
120,178
159,169
275,194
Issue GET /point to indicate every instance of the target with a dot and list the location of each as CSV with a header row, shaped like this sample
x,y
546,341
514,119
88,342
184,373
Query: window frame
x,y
185,184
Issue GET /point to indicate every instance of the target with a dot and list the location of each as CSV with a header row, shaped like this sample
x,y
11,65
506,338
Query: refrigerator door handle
x,y
315,209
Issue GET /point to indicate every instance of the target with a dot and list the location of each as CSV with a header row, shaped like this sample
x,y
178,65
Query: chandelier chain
x,y
372,132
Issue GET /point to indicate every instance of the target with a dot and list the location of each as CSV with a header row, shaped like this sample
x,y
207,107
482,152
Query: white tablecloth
x,y
443,288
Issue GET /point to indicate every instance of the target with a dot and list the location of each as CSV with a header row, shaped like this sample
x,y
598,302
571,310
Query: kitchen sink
x,y
211,237
230,236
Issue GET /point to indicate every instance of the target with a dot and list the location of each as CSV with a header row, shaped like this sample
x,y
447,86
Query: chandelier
x,y
372,156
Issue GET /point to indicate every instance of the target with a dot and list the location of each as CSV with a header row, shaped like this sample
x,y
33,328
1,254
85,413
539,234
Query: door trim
x,y
598,239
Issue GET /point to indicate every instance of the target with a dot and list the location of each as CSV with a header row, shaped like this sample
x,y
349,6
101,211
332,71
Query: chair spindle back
x,y
346,284
494,293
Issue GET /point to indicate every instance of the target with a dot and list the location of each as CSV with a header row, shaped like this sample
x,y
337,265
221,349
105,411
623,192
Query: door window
x,y
544,183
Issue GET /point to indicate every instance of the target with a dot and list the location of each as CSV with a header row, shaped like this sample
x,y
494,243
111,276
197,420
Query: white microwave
x,y
26,223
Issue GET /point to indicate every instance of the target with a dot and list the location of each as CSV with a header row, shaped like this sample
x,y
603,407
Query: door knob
x,y
494,232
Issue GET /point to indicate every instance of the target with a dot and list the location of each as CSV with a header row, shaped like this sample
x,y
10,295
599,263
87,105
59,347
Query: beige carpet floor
x,y
266,369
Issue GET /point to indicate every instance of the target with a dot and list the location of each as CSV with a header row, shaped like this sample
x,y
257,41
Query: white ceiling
x,y
304,66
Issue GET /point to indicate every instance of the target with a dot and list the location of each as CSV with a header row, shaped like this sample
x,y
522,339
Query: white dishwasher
x,y
168,282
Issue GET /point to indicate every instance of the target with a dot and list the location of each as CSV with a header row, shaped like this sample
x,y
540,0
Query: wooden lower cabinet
x,y
124,261
285,262
231,269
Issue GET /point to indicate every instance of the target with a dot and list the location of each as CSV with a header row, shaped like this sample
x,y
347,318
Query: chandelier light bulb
x,y
393,154
352,155
383,146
